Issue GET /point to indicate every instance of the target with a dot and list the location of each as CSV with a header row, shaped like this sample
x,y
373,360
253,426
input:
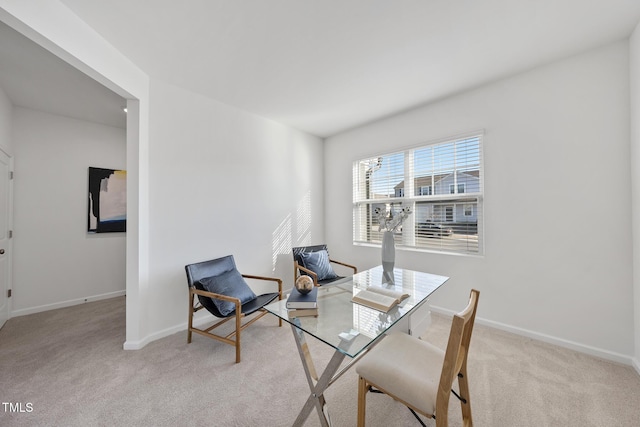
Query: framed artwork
x,y
107,200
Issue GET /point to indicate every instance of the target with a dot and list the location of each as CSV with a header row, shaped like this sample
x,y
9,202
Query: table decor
x,y
389,223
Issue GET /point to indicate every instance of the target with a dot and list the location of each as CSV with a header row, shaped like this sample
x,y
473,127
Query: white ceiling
x,y
324,66
34,78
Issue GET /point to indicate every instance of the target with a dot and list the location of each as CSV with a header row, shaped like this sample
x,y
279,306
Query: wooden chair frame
x,y
297,267
455,365
232,338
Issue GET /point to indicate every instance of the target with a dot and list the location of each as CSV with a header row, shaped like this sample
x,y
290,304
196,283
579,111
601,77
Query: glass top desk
x,y
350,328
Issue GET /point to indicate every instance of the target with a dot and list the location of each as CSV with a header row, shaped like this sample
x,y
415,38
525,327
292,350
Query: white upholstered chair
x,y
418,374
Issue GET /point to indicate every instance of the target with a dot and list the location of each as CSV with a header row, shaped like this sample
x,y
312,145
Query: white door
x,y
5,228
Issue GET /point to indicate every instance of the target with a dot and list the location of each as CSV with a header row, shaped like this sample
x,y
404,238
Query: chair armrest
x,y
313,275
355,269
273,279
217,296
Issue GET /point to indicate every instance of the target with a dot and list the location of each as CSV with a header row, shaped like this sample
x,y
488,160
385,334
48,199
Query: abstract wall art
x,y
107,200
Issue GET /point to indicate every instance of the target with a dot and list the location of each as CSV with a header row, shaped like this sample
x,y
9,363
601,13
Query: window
x,y
425,190
468,210
452,188
442,185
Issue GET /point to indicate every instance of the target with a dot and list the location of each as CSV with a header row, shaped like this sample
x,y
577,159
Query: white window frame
x,y
449,213
470,207
452,188
428,192
410,235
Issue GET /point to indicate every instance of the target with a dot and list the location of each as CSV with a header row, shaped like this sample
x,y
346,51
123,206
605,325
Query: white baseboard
x,y
182,327
592,351
63,304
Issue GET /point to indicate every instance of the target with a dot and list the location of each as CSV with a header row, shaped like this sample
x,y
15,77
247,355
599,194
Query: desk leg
x,y
316,386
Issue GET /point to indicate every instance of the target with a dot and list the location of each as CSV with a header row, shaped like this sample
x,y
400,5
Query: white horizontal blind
x,y
440,183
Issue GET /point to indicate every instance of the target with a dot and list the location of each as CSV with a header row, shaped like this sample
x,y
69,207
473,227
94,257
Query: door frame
x,y
5,314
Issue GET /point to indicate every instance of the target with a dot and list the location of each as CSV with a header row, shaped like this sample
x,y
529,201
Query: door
x,y
448,213
5,229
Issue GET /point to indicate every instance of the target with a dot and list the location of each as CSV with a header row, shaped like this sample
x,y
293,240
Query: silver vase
x,y
388,252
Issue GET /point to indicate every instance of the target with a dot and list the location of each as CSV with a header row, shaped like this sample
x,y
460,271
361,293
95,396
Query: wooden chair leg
x,y
189,333
238,330
463,384
362,400
442,412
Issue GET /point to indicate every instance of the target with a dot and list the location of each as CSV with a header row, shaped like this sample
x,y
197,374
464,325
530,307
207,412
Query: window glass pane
x,y
468,154
370,214
444,158
423,162
446,226
385,178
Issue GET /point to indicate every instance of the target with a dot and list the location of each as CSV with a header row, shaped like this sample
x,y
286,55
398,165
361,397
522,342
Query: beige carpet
x,y
69,365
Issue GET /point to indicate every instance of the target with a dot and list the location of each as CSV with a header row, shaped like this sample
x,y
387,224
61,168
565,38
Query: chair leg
x,y
442,414
463,384
238,330
362,400
189,334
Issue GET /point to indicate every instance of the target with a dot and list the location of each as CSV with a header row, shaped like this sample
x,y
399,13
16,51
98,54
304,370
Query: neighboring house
x,y
465,182
445,211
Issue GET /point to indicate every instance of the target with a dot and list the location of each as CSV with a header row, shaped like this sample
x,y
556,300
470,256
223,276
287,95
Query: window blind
x,y
441,183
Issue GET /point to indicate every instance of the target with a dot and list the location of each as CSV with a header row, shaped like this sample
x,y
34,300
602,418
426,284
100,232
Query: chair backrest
x,y
455,358
302,249
209,268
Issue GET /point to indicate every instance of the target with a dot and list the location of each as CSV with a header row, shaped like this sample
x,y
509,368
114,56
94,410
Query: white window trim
x,y
464,209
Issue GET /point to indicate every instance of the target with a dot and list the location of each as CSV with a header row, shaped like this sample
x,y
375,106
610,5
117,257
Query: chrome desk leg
x,y
316,386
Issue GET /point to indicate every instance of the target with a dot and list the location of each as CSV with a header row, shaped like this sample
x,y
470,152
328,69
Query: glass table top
x,y
350,327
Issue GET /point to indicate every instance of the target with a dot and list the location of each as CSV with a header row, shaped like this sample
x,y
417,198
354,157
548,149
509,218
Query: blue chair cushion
x,y
232,284
318,262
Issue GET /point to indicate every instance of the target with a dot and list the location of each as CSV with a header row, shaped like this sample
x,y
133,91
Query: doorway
x,y
86,51
61,107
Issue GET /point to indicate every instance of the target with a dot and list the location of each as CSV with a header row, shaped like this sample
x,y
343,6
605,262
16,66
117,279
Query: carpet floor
x,y
67,367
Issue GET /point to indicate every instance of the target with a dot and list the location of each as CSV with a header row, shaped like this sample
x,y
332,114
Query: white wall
x,y
223,181
56,262
6,113
634,49
556,168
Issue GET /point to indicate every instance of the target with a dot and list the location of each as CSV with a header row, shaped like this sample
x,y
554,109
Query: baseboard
x,y
137,345
63,304
182,327
603,354
592,351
